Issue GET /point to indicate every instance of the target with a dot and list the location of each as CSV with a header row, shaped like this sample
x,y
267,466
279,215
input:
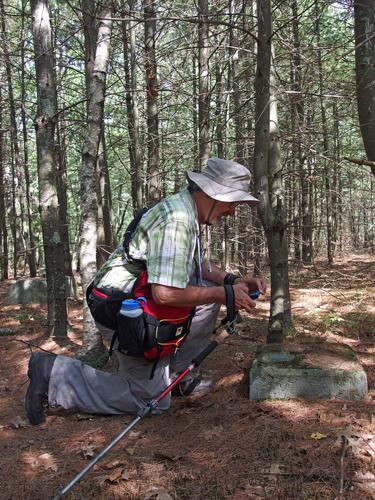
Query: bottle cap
x,y
129,305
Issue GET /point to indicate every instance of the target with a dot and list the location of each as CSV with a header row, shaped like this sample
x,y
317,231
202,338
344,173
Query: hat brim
x,y
219,192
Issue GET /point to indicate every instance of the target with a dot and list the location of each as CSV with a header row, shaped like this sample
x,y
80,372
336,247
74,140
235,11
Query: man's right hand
x,y
241,297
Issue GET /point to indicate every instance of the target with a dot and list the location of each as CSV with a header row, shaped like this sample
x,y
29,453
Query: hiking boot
x,y
39,373
197,386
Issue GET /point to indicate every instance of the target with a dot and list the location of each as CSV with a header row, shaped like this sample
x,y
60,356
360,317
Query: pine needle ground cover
x,y
220,446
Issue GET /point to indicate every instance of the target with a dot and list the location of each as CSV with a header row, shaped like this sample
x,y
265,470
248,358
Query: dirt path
x,y
221,446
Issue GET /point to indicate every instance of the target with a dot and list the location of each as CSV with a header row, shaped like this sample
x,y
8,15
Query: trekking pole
x,y
152,404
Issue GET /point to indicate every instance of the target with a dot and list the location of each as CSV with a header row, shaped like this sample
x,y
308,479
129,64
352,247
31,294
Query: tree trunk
x,y
62,186
153,162
18,228
130,70
195,64
88,232
30,244
3,225
364,33
292,182
326,172
62,179
105,238
234,82
218,109
336,194
47,169
268,179
204,85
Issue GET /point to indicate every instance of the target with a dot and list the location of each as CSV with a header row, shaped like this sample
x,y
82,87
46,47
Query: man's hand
x,y
241,297
254,283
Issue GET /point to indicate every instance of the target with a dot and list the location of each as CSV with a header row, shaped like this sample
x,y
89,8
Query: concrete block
x,y
308,371
34,290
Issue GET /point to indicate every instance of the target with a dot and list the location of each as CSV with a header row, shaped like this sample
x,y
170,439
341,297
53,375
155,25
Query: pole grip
x,y
206,351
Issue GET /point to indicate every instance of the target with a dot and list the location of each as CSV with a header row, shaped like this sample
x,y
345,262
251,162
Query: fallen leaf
x,y
47,461
365,476
318,436
157,495
88,451
19,423
115,475
355,441
130,450
277,469
111,465
135,434
119,474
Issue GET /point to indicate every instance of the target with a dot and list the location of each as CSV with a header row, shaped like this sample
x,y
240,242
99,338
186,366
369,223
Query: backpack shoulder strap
x,y
131,229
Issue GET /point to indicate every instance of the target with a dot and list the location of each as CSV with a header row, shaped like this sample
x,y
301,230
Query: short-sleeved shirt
x,y
165,240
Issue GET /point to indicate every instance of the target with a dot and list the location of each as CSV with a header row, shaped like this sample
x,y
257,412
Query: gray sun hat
x,y
224,180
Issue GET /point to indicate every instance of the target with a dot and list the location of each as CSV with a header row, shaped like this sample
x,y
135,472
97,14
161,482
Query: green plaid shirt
x,y
165,240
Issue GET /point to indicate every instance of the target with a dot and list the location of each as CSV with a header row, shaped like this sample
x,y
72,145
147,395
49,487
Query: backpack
x,y
158,332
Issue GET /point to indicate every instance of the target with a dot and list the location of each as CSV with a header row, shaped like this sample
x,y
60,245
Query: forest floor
x,y
219,446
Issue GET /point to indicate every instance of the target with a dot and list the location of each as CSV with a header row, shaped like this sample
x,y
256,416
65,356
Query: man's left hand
x,y
254,283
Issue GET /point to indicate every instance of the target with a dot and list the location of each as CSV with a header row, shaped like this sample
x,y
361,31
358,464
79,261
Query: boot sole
x,y
28,398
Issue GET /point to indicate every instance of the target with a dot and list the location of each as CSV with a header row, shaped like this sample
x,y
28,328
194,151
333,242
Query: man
x,y
165,242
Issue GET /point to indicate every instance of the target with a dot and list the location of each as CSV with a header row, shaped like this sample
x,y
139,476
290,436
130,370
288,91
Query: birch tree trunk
x,y
153,162
364,33
47,169
105,239
30,241
89,215
268,180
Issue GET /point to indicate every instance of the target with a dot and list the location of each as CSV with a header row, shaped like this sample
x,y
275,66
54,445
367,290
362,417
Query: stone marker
x,y
308,371
34,290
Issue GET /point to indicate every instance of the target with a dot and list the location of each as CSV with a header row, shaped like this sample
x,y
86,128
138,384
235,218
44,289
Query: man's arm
x,y
217,275
212,273
198,295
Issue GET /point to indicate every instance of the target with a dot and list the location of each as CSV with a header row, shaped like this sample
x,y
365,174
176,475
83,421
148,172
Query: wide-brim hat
x,y
224,180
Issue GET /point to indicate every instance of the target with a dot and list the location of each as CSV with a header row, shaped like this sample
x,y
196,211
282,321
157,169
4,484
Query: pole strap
x,y
230,278
231,318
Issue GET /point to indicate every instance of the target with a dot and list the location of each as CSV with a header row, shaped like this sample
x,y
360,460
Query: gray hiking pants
x,y
76,386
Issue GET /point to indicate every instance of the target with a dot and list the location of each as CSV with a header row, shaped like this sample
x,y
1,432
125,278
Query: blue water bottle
x,y
131,308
